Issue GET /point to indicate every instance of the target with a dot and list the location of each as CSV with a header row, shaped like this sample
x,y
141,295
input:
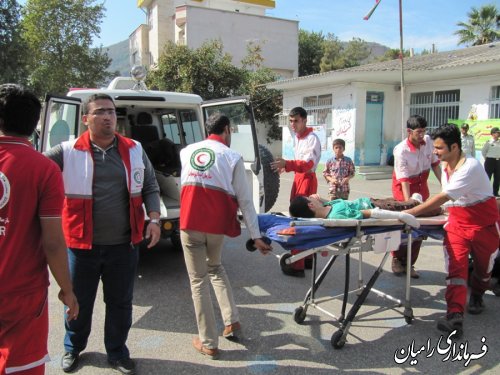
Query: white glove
x,y
377,213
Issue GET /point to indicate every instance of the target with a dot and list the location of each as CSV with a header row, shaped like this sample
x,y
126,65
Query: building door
x,y
373,127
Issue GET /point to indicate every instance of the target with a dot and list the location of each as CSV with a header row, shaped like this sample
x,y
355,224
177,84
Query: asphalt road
x,y
378,342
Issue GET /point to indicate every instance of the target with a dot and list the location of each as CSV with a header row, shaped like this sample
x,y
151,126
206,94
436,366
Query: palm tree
x,y
483,26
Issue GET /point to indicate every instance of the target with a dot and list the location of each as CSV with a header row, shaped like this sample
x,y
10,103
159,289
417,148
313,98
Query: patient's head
x,y
302,206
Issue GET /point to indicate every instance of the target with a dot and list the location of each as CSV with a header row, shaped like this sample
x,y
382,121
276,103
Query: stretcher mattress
x,y
304,234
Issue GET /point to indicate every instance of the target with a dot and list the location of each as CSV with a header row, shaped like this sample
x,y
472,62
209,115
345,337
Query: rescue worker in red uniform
x,y
471,228
307,152
413,160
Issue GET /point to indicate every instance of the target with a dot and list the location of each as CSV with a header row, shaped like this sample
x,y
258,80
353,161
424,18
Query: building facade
x,y
237,23
367,107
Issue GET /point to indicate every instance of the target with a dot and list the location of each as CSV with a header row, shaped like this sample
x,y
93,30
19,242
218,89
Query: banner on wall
x,y
480,129
343,119
289,140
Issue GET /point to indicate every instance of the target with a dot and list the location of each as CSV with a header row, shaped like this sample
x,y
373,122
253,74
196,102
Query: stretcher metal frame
x,y
361,241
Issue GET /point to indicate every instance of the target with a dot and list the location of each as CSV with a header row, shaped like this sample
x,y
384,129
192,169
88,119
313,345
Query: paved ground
x,y
163,325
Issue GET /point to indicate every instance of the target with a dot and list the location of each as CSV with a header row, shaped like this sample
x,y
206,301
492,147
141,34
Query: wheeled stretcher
x,y
345,237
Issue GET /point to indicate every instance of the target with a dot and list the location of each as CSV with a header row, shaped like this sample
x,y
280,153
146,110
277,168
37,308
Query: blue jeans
x,y
116,265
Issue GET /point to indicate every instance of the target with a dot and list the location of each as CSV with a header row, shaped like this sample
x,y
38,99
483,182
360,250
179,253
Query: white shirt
x,y
468,186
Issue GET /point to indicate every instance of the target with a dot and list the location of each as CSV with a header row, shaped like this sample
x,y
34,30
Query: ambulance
x,y
164,123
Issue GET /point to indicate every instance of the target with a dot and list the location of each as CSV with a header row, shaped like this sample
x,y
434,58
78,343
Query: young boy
x,y
338,171
362,208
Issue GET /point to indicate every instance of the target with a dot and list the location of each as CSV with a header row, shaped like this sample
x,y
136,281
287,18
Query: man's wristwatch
x,y
155,221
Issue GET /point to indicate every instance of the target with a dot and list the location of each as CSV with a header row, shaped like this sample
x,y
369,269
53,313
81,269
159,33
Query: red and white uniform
x,y
413,165
472,227
214,186
31,188
307,152
78,177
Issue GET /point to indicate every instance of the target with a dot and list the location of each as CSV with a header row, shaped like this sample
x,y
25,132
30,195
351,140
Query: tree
x,y
12,48
59,37
341,55
355,52
206,71
311,46
482,27
394,53
332,54
209,72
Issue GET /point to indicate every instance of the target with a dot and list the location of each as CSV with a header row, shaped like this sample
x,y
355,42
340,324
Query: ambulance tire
x,y
271,178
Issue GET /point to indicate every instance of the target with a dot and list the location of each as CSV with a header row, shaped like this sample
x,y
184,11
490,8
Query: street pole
x,y
401,57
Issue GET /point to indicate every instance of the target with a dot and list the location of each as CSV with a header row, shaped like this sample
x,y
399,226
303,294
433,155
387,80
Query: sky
x,y
425,22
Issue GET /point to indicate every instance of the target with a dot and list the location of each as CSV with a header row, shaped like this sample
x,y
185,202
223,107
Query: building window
x,y
319,110
495,102
436,107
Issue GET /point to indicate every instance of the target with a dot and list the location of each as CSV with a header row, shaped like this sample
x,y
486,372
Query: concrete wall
x,y
277,37
474,92
349,108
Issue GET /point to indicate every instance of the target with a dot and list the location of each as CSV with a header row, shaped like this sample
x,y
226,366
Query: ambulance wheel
x,y
271,178
299,315
338,340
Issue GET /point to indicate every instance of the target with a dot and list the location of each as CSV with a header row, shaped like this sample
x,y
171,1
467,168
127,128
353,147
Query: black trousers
x,y
492,168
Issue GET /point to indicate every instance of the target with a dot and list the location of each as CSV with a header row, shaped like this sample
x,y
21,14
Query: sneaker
x,y
397,267
417,197
124,365
232,330
211,353
414,274
452,322
476,304
69,361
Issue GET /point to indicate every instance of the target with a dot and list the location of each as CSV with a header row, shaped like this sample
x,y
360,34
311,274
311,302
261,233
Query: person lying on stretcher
x,y
362,208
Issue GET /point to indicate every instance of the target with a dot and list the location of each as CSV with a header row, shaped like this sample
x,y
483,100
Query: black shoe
x,y
495,287
69,361
308,263
293,272
452,322
124,365
476,304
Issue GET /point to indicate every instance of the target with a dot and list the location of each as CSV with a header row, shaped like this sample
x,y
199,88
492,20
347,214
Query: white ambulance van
x,y
165,122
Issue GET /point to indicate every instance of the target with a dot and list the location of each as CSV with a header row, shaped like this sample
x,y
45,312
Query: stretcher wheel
x,y
338,340
408,314
283,259
299,315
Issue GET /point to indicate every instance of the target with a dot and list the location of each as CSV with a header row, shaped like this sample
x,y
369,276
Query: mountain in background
x,y
376,50
120,58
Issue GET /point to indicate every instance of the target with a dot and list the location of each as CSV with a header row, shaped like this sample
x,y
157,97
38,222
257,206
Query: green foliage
x,y
354,52
12,47
394,53
59,36
206,71
310,52
483,26
266,102
340,55
209,72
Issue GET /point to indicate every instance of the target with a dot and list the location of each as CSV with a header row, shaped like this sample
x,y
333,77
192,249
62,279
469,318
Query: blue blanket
x,y
309,237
